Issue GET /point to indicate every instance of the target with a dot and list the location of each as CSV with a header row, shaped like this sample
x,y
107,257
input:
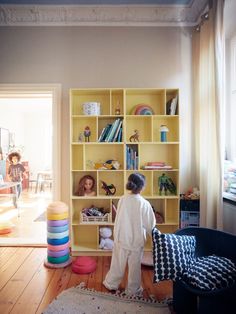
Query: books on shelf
x,y
146,167
171,106
156,163
112,132
131,158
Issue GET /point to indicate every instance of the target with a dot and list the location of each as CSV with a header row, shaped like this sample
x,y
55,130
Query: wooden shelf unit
x,y
83,156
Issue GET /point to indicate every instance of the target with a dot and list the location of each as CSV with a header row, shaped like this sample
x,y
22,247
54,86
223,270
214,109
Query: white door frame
x,y
54,90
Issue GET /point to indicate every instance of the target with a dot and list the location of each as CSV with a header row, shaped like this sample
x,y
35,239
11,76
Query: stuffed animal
x,y
105,242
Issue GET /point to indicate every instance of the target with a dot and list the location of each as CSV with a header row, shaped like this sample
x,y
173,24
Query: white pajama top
x,y
134,218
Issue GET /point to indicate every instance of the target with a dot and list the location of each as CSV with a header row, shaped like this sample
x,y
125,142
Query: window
x,y
230,120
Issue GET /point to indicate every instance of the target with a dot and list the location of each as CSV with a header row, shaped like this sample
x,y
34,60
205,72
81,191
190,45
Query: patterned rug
x,y
79,300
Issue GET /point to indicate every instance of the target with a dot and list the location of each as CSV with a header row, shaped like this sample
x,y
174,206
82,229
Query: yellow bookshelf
x,y
85,157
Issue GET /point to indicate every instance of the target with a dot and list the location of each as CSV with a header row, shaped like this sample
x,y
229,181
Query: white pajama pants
x,y
120,258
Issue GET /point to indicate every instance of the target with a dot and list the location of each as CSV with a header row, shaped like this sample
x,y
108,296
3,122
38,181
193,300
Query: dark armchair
x,y
188,299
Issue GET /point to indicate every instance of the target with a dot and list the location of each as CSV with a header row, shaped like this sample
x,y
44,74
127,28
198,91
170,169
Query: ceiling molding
x,y
101,15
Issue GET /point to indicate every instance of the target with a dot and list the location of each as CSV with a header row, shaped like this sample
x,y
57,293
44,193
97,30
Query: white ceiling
x,y
113,2
101,12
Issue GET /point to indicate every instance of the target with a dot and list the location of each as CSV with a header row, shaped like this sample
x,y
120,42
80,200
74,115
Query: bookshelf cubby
x,y
94,157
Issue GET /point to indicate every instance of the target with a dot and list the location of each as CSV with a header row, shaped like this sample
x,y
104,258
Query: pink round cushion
x,y
58,247
84,265
5,231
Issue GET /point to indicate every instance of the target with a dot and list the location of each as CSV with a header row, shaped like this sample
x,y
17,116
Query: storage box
x,y
95,219
189,218
91,108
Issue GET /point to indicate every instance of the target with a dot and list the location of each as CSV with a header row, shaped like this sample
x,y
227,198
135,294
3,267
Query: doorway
x,y
32,115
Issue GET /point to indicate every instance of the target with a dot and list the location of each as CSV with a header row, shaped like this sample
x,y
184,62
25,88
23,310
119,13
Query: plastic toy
x,y
134,137
166,183
58,251
87,133
109,189
142,109
105,242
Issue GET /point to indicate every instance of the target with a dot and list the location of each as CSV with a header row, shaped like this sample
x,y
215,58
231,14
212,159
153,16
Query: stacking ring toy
x,y
58,241
58,229
60,235
58,253
60,247
57,208
57,216
58,260
57,223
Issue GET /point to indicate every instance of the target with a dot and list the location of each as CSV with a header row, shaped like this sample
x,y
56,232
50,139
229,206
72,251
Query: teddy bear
x,y
105,242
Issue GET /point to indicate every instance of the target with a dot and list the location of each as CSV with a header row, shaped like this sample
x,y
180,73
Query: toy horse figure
x,y
109,189
134,137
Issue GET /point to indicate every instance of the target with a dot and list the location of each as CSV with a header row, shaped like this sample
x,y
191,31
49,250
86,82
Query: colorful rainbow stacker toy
x,y
143,110
58,253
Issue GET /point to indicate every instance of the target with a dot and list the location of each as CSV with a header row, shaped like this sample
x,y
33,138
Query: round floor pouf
x,y
58,251
5,227
84,265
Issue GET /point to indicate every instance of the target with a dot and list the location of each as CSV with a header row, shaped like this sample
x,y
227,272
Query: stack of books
x,y
131,158
112,132
156,165
171,106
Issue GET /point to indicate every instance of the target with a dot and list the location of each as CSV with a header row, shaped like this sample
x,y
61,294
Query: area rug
x,y
41,217
80,300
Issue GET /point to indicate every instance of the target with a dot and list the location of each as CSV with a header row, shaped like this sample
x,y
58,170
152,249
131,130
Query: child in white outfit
x,y
134,219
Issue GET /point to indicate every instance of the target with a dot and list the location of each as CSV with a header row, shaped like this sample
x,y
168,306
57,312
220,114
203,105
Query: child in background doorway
x,y
86,186
16,170
134,219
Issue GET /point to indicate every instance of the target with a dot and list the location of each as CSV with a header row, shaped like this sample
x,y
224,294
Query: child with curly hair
x,y
16,170
133,220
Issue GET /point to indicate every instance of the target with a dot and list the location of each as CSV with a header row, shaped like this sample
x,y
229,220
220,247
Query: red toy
x,y
84,265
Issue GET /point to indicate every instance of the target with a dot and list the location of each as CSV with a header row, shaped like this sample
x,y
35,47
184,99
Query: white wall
x,y
78,57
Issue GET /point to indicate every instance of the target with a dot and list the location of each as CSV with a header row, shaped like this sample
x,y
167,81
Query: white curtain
x,y
208,95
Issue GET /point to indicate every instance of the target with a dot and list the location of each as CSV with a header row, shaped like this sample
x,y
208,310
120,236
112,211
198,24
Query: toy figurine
x,y
87,133
86,186
117,110
109,189
166,183
163,133
80,137
134,137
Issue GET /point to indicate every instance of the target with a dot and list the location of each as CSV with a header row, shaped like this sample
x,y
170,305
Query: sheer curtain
x,y
208,96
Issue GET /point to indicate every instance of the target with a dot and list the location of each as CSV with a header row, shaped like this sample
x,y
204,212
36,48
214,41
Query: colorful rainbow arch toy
x,y
142,109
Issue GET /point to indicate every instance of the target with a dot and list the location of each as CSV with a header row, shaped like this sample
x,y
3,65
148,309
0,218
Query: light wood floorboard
x,y
27,286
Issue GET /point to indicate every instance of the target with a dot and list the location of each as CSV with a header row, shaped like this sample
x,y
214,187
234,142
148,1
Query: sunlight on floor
x,y
26,230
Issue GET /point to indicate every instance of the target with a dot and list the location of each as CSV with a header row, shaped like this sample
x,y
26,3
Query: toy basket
x,y
95,219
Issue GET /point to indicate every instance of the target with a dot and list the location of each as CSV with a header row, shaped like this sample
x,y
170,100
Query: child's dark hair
x,y
136,181
14,154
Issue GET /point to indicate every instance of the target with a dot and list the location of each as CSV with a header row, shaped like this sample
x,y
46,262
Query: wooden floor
x,y
27,286
25,231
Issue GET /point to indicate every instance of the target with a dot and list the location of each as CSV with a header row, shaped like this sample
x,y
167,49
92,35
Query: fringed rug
x,y
79,300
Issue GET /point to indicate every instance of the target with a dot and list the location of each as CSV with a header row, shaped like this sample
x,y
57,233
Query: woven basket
x,y
95,219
